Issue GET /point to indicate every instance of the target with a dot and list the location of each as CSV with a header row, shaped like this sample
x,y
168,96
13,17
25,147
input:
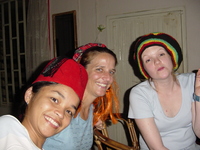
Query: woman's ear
x,y
28,95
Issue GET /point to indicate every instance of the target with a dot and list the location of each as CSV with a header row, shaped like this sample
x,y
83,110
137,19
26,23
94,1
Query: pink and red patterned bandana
x,y
80,50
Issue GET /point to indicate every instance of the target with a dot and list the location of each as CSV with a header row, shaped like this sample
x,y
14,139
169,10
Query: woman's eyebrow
x,y
74,107
59,93
114,70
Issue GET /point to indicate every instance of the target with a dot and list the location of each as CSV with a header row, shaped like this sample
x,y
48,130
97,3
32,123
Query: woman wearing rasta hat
x,y
99,100
52,101
163,106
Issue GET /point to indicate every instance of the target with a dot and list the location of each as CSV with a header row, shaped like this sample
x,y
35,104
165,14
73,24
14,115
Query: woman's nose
x,y
60,113
157,60
107,76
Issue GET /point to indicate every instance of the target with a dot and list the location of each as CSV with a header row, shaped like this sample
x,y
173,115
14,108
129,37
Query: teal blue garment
x,y
77,136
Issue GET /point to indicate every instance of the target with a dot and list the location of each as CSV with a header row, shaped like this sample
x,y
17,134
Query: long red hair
x,y
105,106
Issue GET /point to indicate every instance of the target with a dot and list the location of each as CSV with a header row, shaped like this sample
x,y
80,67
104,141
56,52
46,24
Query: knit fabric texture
x,y
65,71
159,39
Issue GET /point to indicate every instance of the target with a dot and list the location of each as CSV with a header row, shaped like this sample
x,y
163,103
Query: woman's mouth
x,y
52,122
161,68
102,85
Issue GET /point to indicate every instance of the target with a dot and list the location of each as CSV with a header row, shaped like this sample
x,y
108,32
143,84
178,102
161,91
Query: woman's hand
x,y
99,125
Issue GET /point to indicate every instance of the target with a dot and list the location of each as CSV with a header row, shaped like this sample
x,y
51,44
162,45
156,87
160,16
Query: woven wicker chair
x,y
103,141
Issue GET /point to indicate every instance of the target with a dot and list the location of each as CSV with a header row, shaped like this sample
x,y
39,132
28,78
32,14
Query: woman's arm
x,y
196,122
150,133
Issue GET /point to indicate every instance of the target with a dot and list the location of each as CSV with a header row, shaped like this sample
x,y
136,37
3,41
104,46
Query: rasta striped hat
x,y
159,39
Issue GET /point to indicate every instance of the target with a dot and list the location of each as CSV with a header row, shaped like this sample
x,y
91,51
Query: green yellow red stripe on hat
x,y
159,39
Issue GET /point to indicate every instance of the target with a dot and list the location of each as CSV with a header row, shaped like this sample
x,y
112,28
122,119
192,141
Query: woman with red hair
x,y
99,100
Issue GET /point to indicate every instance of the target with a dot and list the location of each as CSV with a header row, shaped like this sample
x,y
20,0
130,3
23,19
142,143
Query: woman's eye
x,y
162,54
54,100
112,72
148,60
99,69
69,112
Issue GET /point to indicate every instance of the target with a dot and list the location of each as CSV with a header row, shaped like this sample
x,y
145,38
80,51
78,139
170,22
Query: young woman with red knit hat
x,y
52,101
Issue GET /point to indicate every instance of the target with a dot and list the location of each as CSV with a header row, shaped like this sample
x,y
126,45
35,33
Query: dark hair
x,y
89,54
38,85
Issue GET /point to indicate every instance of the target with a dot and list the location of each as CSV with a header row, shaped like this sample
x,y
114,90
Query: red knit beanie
x,y
65,71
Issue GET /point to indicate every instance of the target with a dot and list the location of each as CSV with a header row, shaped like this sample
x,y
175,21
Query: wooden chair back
x,y
103,140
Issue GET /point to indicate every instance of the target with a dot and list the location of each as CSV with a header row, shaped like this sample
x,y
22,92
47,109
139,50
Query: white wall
x,y
92,13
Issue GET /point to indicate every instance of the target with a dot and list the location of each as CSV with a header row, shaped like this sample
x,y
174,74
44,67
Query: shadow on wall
x,y
19,105
136,72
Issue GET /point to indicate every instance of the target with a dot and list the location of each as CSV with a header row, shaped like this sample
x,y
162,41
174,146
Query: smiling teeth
x,y
52,121
104,85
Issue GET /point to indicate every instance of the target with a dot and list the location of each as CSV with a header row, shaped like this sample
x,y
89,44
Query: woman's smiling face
x,y
50,110
101,70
